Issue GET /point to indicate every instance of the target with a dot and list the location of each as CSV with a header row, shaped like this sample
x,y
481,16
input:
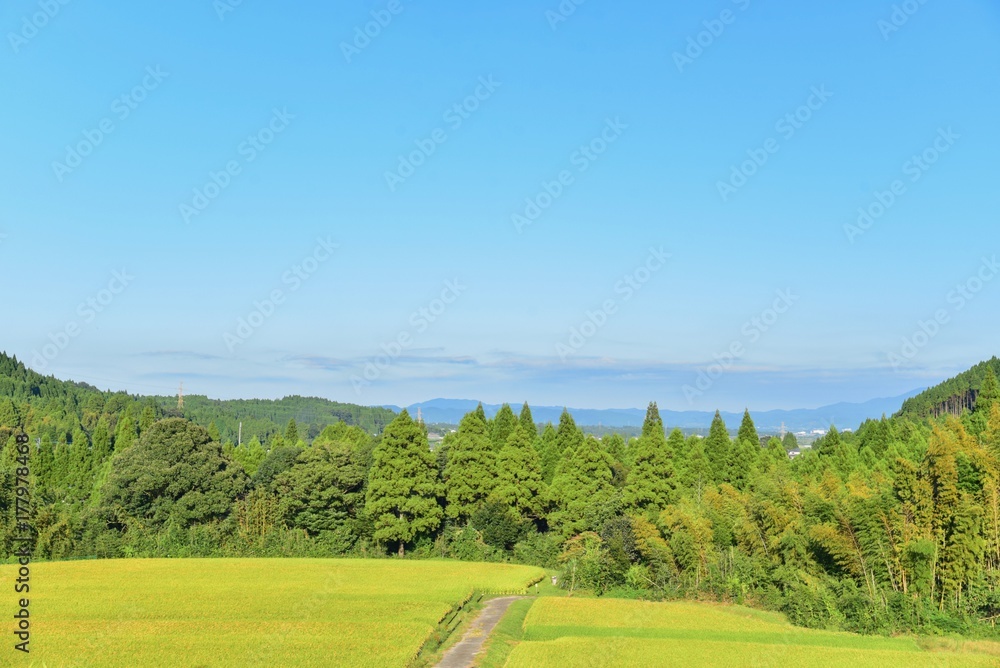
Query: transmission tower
x,y
180,397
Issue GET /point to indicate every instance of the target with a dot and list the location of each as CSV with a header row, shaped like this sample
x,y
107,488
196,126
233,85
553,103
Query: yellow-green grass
x,y
608,632
242,612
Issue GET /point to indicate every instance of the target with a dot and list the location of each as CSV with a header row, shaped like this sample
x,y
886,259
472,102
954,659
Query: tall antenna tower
x,y
180,397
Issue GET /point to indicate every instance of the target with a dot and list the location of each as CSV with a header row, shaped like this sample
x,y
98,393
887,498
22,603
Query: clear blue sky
x,y
678,129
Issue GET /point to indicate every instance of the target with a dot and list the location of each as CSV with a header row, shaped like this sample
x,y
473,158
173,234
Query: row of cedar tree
x,y
894,527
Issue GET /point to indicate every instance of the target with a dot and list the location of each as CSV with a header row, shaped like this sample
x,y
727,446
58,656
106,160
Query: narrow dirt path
x,y
464,653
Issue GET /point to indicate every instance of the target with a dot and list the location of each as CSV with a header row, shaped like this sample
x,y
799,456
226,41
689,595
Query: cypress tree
x,y
698,471
615,446
717,447
568,436
46,459
125,433
548,452
650,484
470,473
60,466
502,426
744,454
80,464
989,393
10,416
828,444
519,476
748,430
102,442
678,445
776,453
147,418
291,433
403,485
582,486
528,422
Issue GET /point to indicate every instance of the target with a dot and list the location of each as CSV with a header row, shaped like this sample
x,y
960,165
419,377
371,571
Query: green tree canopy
x,y
651,481
748,430
277,462
291,432
717,447
403,486
519,476
548,452
502,426
470,474
528,422
323,490
581,488
175,473
989,393
790,442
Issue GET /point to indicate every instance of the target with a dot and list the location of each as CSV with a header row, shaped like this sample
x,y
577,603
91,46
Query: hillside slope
x,y
954,396
58,408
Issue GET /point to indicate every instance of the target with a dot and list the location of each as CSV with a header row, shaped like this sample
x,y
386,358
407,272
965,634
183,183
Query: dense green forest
x,y
894,527
952,396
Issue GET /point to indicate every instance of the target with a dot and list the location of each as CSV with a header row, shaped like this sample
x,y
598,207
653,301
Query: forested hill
x,y
952,397
67,412
263,417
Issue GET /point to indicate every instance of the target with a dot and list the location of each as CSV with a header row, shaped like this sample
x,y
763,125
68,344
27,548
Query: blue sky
x,y
670,269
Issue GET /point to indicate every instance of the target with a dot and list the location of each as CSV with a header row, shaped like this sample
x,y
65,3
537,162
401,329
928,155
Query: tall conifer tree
x,y
470,473
403,485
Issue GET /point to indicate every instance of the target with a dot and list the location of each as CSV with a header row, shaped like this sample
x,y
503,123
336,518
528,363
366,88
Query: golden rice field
x,y
607,632
241,612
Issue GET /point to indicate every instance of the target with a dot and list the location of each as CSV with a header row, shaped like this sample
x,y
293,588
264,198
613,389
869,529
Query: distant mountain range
x,y
843,415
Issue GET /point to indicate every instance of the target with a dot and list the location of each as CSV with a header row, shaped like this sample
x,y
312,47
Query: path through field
x,y
462,654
